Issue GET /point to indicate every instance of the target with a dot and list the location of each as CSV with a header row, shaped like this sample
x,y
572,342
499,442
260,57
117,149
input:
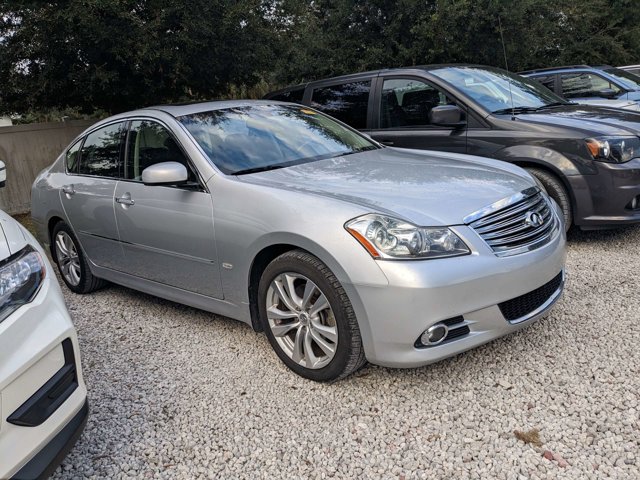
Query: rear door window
x,y
101,152
585,84
347,102
407,102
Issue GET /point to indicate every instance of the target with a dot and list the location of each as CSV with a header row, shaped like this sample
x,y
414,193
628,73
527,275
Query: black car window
x,y
72,157
294,96
585,84
150,143
407,102
548,81
346,102
101,152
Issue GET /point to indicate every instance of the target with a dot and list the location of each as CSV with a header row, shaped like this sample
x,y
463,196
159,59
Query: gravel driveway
x,y
179,393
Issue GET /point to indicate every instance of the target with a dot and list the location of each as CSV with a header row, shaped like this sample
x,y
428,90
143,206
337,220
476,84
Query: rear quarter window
x,y
294,96
72,157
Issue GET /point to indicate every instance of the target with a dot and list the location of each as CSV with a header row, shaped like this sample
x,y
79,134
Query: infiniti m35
x,y
340,249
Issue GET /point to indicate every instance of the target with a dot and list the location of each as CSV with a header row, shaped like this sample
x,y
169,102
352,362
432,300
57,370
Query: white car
x,y
43,398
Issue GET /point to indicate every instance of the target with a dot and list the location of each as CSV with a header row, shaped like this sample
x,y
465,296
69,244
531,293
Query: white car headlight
x,y
389,238
21,276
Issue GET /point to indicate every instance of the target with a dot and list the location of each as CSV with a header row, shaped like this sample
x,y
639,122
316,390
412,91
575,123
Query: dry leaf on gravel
x,y
532,436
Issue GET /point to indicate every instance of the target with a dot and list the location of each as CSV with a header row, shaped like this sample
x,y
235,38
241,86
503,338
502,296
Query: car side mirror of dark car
x,y
165,173
3,174
608,93
447,116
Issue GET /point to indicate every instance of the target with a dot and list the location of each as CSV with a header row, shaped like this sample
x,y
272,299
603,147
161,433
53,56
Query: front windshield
x,y
253,138
628,80
493,88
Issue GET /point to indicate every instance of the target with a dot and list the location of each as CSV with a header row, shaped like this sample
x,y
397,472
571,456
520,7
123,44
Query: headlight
x,y
614,149
389,238
21,276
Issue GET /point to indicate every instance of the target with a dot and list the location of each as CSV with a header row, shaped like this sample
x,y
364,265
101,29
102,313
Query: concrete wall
x,y
26,150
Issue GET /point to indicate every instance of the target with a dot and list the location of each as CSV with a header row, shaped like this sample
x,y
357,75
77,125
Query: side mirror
x,y
165,173
607,93
447,116
3,174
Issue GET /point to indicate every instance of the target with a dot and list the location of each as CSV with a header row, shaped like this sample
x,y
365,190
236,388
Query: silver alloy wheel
x,y
68,260
302,320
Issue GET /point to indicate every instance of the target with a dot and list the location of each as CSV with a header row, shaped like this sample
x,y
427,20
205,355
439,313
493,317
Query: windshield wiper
x,y
258,169
555,104
514,110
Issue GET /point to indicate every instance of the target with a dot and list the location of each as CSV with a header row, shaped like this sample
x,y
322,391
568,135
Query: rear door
x,y
166,231
93,169
401,116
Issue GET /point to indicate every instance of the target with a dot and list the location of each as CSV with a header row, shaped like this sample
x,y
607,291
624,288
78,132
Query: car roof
x,y
566,68
341,78
180,109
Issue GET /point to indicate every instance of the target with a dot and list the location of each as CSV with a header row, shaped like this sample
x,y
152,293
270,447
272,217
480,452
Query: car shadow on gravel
x,y
619,234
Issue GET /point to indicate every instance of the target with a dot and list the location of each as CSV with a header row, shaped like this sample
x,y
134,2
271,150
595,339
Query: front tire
x,y
72,263
308,318
555,189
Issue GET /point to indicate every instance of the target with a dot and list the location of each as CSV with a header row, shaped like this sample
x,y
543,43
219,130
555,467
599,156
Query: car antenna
x,y
506,65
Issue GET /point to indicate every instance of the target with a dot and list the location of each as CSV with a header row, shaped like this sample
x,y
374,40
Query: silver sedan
x,y
340,249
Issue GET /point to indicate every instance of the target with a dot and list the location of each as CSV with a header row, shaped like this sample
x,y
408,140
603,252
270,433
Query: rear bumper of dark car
x,y
604,200
49,458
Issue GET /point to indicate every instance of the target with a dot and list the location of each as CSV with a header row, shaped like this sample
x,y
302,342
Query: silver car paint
x,y
306,207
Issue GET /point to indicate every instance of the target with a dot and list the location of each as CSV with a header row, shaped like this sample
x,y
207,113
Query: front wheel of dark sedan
x,y
308,318
71,261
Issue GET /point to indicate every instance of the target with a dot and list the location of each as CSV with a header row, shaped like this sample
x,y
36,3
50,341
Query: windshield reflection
x,y
494,88
253,138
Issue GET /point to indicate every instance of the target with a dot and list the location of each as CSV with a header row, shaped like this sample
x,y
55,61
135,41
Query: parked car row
x,y
584,156
340,246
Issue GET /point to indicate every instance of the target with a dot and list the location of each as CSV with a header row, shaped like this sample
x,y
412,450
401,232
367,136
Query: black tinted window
x,y
294,96
151,143
72,157
407,102
585,84
101,152
346,102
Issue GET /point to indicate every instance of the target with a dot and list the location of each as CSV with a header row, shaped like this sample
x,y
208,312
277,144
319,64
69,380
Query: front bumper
x,y
423,293
42,392
603,199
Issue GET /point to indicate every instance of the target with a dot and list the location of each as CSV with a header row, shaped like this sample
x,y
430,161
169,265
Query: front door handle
x,y
125,200
68,190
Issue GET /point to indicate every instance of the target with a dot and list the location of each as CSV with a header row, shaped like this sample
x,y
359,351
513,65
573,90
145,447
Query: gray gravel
x,y
179,393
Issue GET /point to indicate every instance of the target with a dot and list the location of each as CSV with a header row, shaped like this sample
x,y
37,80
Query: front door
x,y
403,117
166,231
93,168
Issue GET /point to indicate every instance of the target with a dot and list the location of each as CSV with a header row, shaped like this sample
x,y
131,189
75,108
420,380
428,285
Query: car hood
x,y
590,119
426,188
11,237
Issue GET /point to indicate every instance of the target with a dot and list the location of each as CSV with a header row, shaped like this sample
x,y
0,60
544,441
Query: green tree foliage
x,y
119,54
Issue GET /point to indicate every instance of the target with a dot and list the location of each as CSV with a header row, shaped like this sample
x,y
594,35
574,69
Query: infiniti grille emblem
x,y
533,219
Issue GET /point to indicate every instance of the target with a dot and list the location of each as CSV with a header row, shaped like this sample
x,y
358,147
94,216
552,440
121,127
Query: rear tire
x,y
308,318
556,190
71,260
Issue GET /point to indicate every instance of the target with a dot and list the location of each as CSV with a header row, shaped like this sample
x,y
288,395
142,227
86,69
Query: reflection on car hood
x,y
592,120
426,188
11,237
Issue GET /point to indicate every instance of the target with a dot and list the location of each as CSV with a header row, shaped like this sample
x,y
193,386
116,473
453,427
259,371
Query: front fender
x,y
538,155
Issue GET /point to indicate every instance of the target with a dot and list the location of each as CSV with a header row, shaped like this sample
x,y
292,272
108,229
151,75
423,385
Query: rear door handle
x,y
125,199
68,190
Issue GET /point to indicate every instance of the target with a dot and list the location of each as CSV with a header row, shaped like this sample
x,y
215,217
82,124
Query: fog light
x,y
434,334
634,204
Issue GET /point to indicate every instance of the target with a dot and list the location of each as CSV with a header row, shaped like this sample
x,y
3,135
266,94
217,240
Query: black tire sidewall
x,y
556,190
81,287
340,360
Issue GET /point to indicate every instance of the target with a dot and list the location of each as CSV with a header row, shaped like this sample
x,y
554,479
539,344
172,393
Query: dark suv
x,y
586,157
591,85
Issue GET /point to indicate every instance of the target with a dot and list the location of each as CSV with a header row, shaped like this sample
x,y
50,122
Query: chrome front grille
x,y
516,224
